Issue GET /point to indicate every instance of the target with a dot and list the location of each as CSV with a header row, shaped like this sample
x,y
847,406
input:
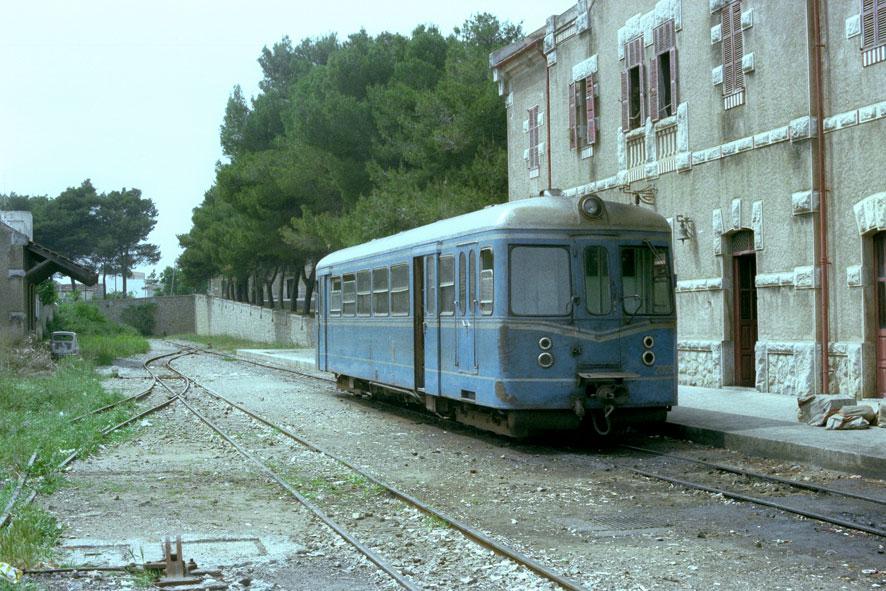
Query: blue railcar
x,y
530,315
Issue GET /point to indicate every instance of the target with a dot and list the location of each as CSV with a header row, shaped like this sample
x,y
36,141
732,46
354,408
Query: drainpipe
x,y
547,114
816,72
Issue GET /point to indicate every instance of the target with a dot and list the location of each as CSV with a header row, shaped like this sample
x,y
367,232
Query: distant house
x,y
24,264
708,112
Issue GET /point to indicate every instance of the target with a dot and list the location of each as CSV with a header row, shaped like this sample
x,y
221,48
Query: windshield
x,y
646,280
598,298
540,281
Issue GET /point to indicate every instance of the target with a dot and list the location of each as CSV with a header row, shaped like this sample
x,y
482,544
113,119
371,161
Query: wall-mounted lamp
x,y
685,228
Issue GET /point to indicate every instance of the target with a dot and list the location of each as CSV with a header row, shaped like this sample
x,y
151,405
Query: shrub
x,y
141,317
101,341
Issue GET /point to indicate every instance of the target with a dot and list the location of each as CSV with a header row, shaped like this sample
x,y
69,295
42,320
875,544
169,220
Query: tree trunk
x,y
309,280
125,271
269,285
282,286
104,283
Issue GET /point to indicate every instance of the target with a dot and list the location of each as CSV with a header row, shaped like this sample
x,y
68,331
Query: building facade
x,y
24,264
708,112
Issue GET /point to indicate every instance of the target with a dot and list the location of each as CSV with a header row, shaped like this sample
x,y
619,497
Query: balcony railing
x,y
666,147
636,148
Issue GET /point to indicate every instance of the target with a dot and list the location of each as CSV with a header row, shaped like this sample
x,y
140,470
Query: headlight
x,y
648,341
648,357
545,343
546,360
591,206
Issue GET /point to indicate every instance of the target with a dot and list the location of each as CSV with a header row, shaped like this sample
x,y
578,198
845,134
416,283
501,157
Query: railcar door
x,y
322,321
466,309
431,327
418,321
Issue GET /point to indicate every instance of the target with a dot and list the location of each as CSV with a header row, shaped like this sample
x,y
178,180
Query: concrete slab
x,y
206,550
735,418
766,424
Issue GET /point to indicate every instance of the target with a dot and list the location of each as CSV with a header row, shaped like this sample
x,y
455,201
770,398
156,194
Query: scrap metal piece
x,y
177,571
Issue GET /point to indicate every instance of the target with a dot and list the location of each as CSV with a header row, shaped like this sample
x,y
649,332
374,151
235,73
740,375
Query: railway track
x,y
867,512
398,521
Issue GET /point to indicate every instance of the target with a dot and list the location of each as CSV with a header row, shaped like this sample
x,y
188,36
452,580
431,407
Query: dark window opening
x,y
665,104
634,98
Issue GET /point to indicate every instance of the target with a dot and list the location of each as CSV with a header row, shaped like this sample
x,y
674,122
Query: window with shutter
x,y
573,138
590,112
533,138
582,127
663,72
633,86
733,49
873,31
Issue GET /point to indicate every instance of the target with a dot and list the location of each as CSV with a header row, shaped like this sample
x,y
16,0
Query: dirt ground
x,y
568,507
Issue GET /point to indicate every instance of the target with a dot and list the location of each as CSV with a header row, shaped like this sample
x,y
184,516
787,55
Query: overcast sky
x,y
131,94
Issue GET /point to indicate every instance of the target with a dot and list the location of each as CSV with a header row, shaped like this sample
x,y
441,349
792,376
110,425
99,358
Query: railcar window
x,y
447,286
645,280
380,302
400,290
430,293
540,281
598,297
364,293
349,295
335,297
486,281
472,286
462,273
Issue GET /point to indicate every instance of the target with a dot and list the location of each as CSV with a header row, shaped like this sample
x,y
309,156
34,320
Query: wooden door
x,y
745,317
880,298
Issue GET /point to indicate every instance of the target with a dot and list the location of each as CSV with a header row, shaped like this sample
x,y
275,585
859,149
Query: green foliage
x,y
142,317
101,230
36,411
351,140
101,341
47,293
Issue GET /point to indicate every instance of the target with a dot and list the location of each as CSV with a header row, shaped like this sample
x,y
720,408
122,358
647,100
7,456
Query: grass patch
x,y
101,340
226,343
36,410
432,522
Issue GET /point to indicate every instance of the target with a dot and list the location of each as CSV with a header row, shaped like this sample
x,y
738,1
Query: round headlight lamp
x,y
591,206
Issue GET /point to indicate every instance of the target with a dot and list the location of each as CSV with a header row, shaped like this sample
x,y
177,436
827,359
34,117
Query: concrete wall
x,y
216,316
211,316
173,314
13,291
745,167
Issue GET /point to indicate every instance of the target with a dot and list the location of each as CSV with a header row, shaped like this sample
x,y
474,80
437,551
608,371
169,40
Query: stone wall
x,y
699,363
211,316
173,314
217,316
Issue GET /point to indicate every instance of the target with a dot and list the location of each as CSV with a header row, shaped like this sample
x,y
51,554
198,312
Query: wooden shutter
x,y
873,23
868,23
625,100
880,18
642,78
654,107
589,108
573,128
726,35
737,46
674,99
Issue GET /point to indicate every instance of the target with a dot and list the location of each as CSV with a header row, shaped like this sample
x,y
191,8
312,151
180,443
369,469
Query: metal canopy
x,y
51,262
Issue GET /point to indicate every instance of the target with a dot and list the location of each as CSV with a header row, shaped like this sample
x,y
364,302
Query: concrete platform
x,y
735,418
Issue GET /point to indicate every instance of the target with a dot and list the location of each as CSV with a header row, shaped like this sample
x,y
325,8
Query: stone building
x,y
708,112
23,265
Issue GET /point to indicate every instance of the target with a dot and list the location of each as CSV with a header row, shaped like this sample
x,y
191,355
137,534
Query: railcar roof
x,y
537,213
